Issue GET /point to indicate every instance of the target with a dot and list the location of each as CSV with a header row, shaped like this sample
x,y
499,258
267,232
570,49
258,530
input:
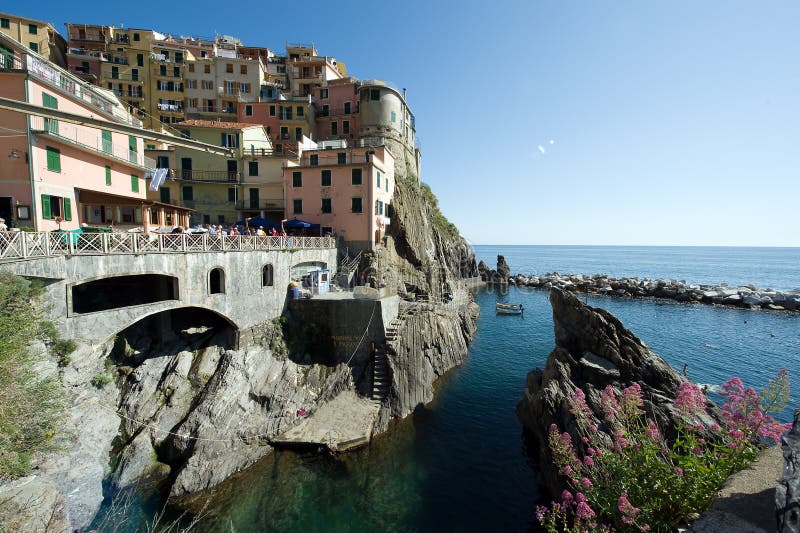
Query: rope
x,y
184,436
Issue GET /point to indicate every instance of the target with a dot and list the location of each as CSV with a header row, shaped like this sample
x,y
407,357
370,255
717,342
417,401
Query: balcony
x,y
67,83
269,204
94,54
337,111
109,77
88,140
173,108
219,176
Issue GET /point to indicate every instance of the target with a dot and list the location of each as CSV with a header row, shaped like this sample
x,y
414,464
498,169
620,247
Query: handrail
x,y
17,245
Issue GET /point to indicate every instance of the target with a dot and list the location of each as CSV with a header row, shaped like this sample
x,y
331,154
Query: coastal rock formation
x,y
787,495
593,350
500,276
748,297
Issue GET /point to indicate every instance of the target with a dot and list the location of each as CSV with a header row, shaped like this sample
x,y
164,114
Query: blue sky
x,y
672,123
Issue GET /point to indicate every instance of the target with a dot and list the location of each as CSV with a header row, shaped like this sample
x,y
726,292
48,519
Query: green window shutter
x,y
134,183
106,141
108,175
67,209
132,149
50,102
53,159
46,207
164,194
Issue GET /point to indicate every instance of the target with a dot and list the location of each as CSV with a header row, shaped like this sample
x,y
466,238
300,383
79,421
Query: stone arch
x,y
216,281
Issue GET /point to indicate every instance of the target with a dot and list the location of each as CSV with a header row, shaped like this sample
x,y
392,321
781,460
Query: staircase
x,y
347,267
380,374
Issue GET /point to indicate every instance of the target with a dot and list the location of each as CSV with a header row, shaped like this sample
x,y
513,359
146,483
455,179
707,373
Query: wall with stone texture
x,y
245,301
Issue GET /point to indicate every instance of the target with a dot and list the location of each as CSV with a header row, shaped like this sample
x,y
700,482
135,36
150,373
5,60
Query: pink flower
x,y
578,407
588,461
690,400
586,483
584,512
626,507
609,403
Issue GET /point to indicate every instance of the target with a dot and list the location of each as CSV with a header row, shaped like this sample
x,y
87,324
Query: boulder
x,y
787,495
593,350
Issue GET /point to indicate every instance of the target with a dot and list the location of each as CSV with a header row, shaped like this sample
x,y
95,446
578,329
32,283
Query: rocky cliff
x,y
172,405
593,350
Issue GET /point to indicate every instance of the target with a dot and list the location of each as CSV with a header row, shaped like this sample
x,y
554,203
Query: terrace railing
x,y
20,245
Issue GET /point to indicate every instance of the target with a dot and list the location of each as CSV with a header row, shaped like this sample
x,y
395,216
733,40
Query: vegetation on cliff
x,y
31,401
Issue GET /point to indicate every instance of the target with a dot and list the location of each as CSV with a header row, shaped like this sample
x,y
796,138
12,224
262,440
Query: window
x,y
300,111
191,84
252,168
374,94
229,67
163,194
208,85
191,67
326,205
378,173
207,70
379,207
297,204
244,88
272,110
179,57
187,193
325,110
325,178
115,73
162,70
341,158
248,111
50,102
243,69
355,205
356,176
176,71
323,93
53,159
267,276
232,194
32,29
134,183
5,23
136,37
386,182
134,74
56,206
216,281
347,108
298,134
132,155
297,179
34,47
313,160
394,116
334,128
345,127
230,140
108,175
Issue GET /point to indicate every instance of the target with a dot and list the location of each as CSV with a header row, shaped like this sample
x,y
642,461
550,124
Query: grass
x,y
31,407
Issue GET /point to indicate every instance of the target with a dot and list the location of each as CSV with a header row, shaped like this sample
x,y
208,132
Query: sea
x,y
460,462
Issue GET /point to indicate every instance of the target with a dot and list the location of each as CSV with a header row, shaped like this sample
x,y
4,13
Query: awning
x,y
88,196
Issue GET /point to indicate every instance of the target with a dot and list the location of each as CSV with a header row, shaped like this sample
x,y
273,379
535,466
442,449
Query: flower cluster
x,y
631,479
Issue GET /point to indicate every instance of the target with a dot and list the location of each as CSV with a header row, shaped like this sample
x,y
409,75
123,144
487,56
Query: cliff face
x,y
179,409
593,350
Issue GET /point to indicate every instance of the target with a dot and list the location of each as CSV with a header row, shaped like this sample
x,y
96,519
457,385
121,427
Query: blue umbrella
x,y
258,221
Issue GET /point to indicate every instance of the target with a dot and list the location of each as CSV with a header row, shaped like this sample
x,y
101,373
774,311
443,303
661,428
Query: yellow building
x,y
39,36
212,184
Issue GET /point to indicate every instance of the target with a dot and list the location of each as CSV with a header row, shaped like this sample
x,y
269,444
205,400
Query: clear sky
x,y
553,122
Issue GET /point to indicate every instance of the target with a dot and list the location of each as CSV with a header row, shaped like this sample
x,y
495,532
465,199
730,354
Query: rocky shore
x,y
746,296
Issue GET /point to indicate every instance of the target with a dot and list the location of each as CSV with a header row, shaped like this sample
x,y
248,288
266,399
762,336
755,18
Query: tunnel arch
x,y
110,292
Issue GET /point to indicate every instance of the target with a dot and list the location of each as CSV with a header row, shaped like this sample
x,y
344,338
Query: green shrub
x,y
62,349
31,407
100,380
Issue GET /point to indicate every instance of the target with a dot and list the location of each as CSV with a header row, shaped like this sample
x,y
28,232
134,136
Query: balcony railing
x,y
335,111
274,204
66,82
27,245
89,139
175,108
229,176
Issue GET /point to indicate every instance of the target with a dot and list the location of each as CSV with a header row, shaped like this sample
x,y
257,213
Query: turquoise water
x,y
459,464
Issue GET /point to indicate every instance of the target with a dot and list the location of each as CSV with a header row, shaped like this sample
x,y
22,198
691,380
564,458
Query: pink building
x,y
337,109
348,191
61,174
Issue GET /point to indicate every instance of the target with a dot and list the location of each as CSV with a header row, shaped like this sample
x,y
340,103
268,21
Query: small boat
x,y
509,309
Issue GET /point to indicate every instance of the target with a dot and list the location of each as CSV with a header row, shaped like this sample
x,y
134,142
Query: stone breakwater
x,y
746,296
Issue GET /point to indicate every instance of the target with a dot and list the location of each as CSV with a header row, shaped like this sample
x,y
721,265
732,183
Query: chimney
x,y
404,93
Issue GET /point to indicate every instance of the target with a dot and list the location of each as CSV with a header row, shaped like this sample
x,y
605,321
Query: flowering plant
x,y
631,478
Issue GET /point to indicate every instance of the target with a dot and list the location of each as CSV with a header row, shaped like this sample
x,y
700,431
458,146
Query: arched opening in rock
x,y
123,291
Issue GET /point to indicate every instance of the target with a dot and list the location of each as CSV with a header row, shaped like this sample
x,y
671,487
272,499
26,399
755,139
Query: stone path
x,y
343,423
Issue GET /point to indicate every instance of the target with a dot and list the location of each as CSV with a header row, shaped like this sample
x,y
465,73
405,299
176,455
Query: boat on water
x,y
509,309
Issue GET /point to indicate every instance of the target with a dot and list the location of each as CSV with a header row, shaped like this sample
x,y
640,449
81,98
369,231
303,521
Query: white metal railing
x,y
16,245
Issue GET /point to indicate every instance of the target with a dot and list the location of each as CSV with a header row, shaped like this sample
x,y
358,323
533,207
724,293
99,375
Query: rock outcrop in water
x,y
746,297
593,350
500,276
